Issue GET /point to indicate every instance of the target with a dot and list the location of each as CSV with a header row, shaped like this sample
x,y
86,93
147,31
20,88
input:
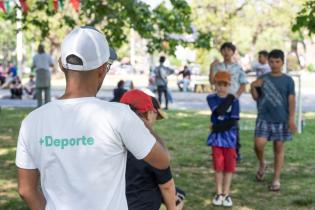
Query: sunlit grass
x,y
185,133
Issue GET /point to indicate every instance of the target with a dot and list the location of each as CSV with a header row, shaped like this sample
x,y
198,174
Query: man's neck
x,y
78,92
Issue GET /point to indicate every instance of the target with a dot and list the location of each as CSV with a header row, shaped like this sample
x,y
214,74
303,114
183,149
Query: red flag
x,y
2,7
55,5
24,5
76,5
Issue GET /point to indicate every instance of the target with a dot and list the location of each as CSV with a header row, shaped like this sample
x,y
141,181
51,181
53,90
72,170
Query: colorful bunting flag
x,y
76,5
24,5
2,7
60,4
55,2
7,6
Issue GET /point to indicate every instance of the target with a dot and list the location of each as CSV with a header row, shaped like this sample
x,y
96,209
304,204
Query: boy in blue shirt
x,y
238,76
223,136
275,96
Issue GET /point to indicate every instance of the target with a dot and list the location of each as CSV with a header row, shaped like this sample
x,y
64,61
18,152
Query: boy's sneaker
x,y
218,200
227,201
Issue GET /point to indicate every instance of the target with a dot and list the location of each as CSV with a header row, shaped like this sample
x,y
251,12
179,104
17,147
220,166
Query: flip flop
x,y
274,188
260,175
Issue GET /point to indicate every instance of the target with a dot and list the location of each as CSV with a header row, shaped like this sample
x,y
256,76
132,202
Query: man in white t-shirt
x,y
41,63
261,67
77,146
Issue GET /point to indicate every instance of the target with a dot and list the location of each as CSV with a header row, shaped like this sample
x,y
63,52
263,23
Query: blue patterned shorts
x,y
272,131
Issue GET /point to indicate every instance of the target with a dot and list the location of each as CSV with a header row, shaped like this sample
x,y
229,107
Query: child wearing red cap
x,y
223,137
147,187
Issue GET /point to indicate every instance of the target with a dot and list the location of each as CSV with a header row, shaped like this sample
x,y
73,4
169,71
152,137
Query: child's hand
x,y
292,126
215,62
257,83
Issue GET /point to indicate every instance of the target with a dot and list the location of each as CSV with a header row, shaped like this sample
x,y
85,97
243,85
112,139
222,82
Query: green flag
x,y
7,5
60,4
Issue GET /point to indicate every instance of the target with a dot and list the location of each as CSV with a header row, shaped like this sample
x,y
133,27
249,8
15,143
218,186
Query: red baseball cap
x,y
139,100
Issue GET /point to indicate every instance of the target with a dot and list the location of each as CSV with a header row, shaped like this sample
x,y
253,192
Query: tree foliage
x,y
252,25
306,18
113,17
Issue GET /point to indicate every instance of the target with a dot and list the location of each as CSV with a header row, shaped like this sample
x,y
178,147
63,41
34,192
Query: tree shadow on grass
x,y
9,199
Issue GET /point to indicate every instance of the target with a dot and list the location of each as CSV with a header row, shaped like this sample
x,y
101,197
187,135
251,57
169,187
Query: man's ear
x,y
102,71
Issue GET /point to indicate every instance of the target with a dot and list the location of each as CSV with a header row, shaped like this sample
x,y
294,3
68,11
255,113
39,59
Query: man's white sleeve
x,y
23,157
135,136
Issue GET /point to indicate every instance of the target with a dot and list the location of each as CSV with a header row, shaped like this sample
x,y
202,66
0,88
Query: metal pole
x,y
19,39
299,105
132,47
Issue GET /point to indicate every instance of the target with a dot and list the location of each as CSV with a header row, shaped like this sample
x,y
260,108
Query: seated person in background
x,y
30,87
147,187
16,88
2,76
2,79
183,84
119,91
11,75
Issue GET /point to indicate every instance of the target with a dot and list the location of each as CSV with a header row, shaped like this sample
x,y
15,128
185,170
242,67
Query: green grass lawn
x,y
185,133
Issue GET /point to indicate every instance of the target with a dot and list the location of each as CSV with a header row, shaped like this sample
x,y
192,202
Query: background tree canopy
x,y
252,25
306,18
114,18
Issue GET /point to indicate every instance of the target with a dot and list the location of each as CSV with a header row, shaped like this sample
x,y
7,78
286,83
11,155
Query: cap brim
x,y
112,54
161,115
228,82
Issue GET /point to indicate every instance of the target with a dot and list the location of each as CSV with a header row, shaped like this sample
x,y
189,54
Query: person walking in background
x,y
42,62
275,96
238,77
223,136
161,73
261,67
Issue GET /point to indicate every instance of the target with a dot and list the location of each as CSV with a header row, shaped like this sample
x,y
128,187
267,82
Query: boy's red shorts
x,y
224,159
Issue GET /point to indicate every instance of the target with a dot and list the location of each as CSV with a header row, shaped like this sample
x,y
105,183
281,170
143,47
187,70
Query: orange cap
x,y
223,76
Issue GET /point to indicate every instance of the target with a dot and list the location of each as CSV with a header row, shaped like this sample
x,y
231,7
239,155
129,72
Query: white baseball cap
x,y
89,45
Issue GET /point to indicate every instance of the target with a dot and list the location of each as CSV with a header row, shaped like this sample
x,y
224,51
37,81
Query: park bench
x,y
201,84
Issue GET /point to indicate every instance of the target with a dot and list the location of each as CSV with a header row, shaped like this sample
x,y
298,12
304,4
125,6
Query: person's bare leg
x,y
259,147
219,182
278,148
227,183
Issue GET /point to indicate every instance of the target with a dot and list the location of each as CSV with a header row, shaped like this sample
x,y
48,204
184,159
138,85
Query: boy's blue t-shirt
x,y
227,138
273,103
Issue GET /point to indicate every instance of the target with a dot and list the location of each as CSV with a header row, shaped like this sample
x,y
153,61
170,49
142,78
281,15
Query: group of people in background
x,y
274,93
92,154
39,79
10,79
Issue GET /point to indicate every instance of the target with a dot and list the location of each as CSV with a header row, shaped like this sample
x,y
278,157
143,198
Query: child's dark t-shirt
x,y
226,139
273,103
